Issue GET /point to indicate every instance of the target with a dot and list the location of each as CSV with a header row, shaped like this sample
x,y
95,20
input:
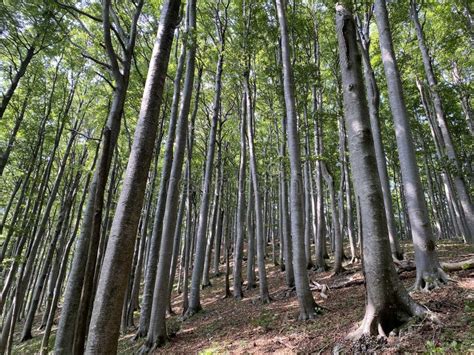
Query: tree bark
x,y
428,270
105,321
240,223
388,304
373,98
195,299
264,295
449,150
305,298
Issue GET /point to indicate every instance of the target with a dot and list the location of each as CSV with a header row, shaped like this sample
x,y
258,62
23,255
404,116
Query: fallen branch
x,y
408,265
461,265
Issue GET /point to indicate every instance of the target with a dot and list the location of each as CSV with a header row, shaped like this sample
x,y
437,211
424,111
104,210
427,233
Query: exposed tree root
x,y
240,296
139,334
26,337
321,268
251,286
265,300
323,288
307,316
340,271
429,281
149,347
203,286
354,260
191,312
392,321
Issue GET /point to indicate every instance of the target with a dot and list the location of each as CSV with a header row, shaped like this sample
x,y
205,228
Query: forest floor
x,y
229,326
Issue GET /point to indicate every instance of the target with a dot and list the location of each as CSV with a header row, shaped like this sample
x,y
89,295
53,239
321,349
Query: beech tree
x,y
382,297
159,158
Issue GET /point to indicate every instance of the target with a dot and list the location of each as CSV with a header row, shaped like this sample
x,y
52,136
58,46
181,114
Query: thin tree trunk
x,y
195,296
264,295
338,251
11,140
240,223
428,270
188,243
305,298
16,80
156,236
449,150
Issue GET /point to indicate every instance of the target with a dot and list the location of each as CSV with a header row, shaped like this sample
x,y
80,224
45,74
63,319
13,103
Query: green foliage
x,y
444,348
265,321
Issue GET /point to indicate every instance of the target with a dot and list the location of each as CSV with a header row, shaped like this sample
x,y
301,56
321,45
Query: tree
x,y
388,304
305,299
194,301
105,321
428,271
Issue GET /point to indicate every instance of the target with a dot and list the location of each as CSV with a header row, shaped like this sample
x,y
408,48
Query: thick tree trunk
x,y
156,235
79,292
388,303
105,321
373,98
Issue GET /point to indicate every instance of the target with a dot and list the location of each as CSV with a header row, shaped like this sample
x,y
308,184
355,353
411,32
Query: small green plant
x,y
264,321
433,347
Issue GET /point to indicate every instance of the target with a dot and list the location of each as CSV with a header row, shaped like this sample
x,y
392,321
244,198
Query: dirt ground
x,y
229,326
246,326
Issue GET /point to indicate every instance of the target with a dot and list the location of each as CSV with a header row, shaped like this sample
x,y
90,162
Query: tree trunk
x,y
373,98
262,274
388,305
338,251
156,235
78,296
11,141
195,296
305,298
240,223
449,150
188,243
428,270
105,321
251,279
15,81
